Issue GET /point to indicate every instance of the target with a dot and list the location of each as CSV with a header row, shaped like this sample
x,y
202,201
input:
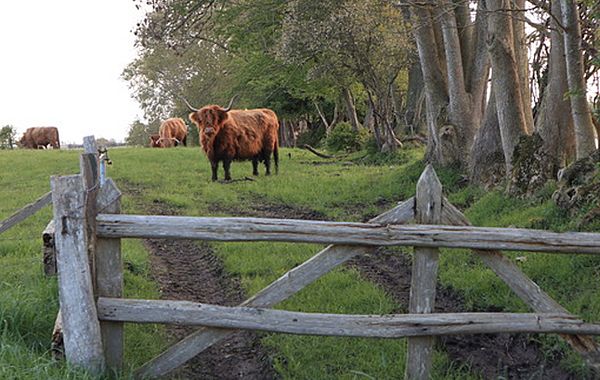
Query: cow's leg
x,y
214,165
255,165
227,167
268,163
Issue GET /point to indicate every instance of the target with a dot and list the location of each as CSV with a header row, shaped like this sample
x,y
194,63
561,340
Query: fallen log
x,y
316,152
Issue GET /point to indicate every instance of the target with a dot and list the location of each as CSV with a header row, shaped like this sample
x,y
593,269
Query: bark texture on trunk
x,y
554,122
460,106
350,109
487,157
521,56
414,118
511,118
436,96
455,68
582,117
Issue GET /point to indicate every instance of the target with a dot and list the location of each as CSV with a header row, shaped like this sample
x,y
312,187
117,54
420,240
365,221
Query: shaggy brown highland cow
x,y
227,135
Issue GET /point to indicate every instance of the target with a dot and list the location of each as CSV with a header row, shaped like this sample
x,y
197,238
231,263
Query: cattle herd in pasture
x,y
226,135
172,132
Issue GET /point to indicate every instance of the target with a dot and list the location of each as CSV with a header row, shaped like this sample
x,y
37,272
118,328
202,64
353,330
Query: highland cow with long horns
x,y
227,134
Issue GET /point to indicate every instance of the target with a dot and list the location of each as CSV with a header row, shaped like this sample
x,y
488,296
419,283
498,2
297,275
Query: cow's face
x,y
155,141
209,120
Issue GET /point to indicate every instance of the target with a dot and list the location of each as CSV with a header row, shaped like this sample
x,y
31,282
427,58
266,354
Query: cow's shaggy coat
x,y
40,138
172,133
228,135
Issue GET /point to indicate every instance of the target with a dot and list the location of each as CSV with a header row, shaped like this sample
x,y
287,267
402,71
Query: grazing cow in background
x,y
228,135
173,132
155,141
40,138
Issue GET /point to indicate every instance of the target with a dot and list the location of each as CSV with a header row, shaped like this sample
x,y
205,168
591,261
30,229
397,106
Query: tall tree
x,y
510,102
455,69
582,117
7,137
351,41
554,122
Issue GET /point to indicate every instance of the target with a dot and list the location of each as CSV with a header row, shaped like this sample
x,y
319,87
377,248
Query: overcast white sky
x,y
60,66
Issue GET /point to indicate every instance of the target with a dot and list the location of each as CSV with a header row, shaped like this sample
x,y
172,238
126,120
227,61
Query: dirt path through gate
x,y
186,270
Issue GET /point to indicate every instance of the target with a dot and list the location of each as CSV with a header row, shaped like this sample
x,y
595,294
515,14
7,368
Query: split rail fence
x,y
89,226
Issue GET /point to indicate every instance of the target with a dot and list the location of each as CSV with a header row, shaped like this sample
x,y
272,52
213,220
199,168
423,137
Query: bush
x,y
343,137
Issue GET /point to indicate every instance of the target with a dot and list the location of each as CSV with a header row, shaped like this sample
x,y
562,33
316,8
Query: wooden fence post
x,y
48,250
88,164
109,276
83,343
428,210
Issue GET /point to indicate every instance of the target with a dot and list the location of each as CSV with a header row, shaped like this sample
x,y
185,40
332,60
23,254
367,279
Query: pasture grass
x,y
180,180
28,299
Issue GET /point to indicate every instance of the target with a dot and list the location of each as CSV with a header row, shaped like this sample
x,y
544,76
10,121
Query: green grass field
x,y
180,178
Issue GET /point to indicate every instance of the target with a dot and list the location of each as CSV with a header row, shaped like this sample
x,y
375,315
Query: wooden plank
x,y
345,233
284,287
90,145
88,165
25,212
109,277
83,343
48,250
106,197
366,326
526,289
57,344
428,210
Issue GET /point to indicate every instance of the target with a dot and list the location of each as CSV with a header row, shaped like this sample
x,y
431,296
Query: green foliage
x,y
139,133
28,299
344,138
7,137
264,52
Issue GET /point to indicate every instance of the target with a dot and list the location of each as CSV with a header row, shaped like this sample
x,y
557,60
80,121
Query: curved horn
x,y
189,105
230,103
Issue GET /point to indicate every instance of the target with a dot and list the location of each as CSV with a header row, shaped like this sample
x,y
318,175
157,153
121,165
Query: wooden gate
x,y
88,229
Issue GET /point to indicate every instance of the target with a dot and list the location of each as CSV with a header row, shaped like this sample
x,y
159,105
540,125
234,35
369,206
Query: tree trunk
x,y
582,117
369,121
350,109
396,96
282,135
323,119
521,56
554,122
487,165
436,96
505,79
454,101
413,115
460,113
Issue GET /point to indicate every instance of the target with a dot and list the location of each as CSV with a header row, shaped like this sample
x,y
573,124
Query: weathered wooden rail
x,y
25,212
87,239
319,232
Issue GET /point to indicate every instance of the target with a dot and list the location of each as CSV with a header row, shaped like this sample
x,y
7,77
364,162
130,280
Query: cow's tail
x,y
276,156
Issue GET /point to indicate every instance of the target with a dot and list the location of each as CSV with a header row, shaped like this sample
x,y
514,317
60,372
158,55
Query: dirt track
x,y
190,271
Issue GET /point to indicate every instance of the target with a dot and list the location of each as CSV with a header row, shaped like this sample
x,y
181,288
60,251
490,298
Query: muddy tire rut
x,y
187,270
